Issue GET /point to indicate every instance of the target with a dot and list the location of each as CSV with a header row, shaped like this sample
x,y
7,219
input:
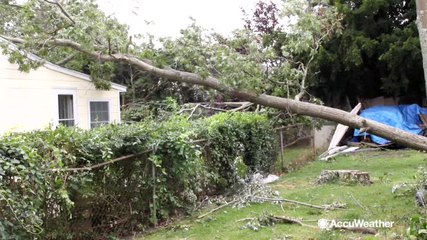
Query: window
x,y
66,110
99,113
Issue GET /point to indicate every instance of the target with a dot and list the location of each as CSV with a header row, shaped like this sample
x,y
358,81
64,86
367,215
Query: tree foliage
x,y
377,54
245,90
262,63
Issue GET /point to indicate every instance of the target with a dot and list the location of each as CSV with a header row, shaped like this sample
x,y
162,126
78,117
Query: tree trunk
x,y
303,108
422,31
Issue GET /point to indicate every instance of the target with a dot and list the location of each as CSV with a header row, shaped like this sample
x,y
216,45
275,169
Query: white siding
x,y
28,100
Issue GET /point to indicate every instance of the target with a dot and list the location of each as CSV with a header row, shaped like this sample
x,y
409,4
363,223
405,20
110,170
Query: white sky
x,y
169,16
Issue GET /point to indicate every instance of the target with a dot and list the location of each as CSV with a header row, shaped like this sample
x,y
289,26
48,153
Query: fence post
x,y
154,209
313,139
282,161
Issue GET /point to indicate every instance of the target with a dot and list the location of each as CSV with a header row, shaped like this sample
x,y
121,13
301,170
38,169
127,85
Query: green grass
x,y
374,202
294,158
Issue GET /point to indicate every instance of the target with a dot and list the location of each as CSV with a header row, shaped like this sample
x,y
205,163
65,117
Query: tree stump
x,y
351,176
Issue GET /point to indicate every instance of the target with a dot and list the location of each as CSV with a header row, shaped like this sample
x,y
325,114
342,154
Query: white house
x,y
54,95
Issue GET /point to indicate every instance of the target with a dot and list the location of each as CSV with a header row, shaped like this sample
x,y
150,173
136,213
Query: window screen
x,y
99,113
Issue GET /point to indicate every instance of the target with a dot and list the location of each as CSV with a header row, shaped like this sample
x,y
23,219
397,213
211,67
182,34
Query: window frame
x,y
57,93
90,112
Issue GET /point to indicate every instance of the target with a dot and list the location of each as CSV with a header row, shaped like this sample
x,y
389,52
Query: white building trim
x,y
58,68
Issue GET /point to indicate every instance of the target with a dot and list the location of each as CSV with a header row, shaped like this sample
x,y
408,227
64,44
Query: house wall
x,y
29,100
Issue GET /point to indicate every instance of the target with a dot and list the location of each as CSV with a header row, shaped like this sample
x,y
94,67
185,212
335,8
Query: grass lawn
x,y
374,202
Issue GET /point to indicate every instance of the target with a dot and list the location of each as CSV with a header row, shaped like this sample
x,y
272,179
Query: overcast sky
x,y
169,16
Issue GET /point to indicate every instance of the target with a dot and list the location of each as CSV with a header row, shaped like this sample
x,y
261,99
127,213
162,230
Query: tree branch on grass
x,y
291,201
217,208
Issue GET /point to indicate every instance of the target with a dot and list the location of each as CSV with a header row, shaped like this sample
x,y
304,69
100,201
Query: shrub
x,y
47,190
236,138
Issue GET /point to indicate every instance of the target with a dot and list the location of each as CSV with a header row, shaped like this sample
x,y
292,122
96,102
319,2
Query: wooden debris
x,y
288,220
342,129
354,176
290,201
280,200
216,209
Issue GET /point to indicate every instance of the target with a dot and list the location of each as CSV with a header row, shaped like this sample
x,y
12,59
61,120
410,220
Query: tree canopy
x,y
236,67
378,53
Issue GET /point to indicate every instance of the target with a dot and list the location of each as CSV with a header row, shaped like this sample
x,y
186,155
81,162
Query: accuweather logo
x,y
330,224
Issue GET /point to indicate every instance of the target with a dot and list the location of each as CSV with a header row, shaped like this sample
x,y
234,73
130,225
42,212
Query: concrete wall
x,y
30,100
323,136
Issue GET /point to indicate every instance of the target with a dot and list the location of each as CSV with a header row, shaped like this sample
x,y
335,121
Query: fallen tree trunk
x,y
298,107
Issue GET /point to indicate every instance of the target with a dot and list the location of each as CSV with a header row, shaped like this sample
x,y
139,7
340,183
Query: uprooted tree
x,y
246,66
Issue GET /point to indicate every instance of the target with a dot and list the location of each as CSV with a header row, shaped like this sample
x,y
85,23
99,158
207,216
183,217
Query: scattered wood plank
x,y
342,129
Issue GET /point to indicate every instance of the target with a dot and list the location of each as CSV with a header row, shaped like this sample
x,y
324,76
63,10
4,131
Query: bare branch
x,y
245,105
97,165
217,208
192,112
66,60
62,9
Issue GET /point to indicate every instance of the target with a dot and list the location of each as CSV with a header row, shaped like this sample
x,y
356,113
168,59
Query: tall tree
x,y
378,53
42,24
422,30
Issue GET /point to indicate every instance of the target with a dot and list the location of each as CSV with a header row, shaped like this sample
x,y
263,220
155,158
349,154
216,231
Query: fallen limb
x,y
192,112
297,140
217,208
88,168
244,105
291,201
288,220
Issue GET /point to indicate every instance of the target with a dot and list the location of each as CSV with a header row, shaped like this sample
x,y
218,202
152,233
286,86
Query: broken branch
x,y
63,11
192,112
217,208
291,201
288,220
97,165
65,60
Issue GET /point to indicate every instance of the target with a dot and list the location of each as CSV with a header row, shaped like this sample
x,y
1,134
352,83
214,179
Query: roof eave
x,y
60,69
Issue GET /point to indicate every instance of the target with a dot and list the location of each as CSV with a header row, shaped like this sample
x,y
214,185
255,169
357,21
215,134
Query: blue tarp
x,y
405,117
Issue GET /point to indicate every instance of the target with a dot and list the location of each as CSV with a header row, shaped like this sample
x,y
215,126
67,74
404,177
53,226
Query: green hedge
x,y
238,143
170,173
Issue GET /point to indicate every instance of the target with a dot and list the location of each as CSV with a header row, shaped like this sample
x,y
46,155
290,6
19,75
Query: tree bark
x,y
298,107
422,31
